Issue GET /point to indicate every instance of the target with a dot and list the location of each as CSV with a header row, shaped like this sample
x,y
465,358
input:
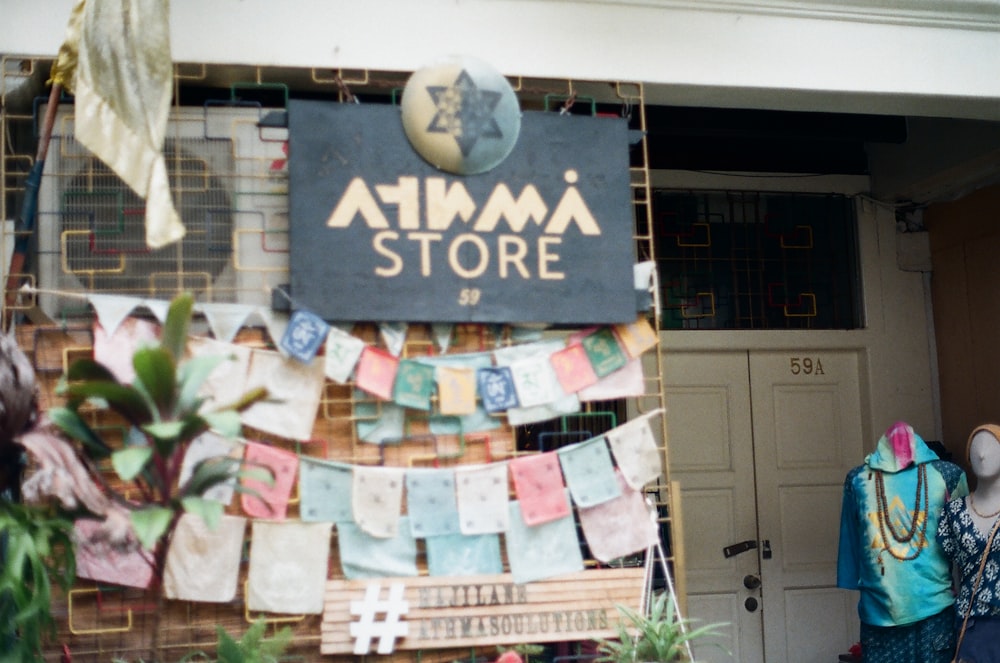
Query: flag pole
x,y
24,225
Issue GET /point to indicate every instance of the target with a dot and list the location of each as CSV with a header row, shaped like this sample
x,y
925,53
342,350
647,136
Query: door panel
x,y
807,436
760,443
711,455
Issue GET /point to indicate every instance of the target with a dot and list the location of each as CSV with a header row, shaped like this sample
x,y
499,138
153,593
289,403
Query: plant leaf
x,y
129,462
164,430
70,422
150,524
209,510
90,370
175,328
246,400
208,473
260,473
226,423
155,368
191,375
227,649
123,399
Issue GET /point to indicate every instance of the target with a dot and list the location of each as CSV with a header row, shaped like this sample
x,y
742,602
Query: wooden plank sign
x,y
470,611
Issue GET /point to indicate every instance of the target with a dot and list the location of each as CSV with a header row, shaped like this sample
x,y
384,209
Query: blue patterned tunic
x,y
962,541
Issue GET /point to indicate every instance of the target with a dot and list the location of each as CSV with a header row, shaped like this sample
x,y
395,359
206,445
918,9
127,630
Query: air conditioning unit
x,y
229,181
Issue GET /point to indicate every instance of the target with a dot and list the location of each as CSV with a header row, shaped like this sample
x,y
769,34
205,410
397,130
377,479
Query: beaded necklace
x,y
972,505
885,520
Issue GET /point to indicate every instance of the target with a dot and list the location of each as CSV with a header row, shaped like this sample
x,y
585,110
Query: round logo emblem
x,y
461,115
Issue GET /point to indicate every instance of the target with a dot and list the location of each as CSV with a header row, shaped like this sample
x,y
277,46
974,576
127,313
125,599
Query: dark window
x,y
747,260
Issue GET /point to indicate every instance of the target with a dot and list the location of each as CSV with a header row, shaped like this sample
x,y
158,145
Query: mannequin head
x,y
983,452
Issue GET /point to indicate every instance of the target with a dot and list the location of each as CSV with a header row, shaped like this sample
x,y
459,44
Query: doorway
x,y
760,442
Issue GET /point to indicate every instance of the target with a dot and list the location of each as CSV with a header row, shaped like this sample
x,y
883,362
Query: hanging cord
x,y
975,587
568,104
344,91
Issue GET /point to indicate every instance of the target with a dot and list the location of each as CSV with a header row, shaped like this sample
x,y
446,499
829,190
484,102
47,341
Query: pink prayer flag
x,y
628,381
115,350
376,372
573,368
100,562
538,483
620,527
272,503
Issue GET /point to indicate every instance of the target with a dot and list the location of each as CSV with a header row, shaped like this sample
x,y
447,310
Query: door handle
x,y
751,581
738,548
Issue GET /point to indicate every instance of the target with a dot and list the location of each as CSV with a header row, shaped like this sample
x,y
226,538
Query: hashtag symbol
x,y
386,630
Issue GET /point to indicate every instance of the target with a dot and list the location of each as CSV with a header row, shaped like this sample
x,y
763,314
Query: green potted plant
x,y
661,635
165,411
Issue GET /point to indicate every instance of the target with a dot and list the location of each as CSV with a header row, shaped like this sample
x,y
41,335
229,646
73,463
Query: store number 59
x,y
468,296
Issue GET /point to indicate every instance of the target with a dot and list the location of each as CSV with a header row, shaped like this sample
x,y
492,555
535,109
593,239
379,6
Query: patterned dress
x,y
962,541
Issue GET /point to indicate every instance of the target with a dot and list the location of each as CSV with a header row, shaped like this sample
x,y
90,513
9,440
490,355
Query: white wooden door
x,y
760,443
711,454
807,435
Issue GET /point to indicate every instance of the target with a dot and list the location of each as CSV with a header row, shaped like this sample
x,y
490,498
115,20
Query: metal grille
x,y
738,260
229,184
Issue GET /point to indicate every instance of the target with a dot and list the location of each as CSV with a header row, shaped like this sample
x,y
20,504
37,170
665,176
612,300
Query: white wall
x,y
912,57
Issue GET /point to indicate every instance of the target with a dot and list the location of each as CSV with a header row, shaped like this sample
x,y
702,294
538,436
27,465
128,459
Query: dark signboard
x,y
378,234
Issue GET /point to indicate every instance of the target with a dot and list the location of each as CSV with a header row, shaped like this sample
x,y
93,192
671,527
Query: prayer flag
x,y
636,452
619,527
573,369
203,563
460,555
271,501
341,355
365,556
496,388
377,499
207,446
324,491
294,391
589,472
482,492
289,563
430,501
545,551
414,385
636,337
456,390
305,333
605,354
538,482
376,372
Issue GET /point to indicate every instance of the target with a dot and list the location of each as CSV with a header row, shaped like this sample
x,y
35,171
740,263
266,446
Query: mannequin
x,y
889,553
963,532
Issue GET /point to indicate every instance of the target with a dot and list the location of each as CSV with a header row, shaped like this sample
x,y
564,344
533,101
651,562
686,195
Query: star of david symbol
x,y
464,111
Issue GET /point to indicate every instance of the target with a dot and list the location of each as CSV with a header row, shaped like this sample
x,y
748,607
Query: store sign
x,y
377,233
362,616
